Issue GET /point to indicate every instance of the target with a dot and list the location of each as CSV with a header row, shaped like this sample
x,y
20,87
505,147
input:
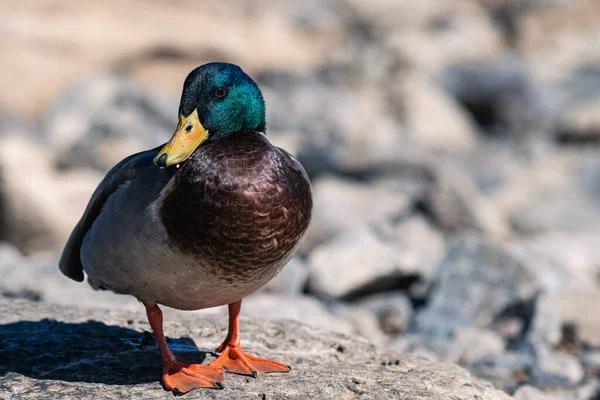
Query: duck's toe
x,y
234,359
180,378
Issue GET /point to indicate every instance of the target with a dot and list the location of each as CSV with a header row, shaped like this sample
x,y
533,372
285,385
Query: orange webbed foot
x,y
180,378
235,360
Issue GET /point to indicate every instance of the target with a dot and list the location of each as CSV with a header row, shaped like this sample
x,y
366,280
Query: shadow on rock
x,y
86,352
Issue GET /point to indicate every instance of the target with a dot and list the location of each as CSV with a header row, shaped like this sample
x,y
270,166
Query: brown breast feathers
x,y
239,204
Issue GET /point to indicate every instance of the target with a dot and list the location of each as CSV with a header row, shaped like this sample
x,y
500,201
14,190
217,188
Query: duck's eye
x,y
188,128
221,92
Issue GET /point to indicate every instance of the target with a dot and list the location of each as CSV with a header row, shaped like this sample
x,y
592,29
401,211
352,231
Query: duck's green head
x,y
218,99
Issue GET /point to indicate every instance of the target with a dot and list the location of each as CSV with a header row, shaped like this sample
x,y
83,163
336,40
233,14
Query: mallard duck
x,y
202,221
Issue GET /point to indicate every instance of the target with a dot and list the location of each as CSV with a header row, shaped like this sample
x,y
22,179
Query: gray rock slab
x,y
451,130
332,217
545,327
335,139
348,263
56,352
473,344
393,310
531,393
564,212
39,205
562,260
104,118
457,205
500,95
306,309
476,281
375,258
506,371
592,359
557,369
581,122
39,278
580,308
290,281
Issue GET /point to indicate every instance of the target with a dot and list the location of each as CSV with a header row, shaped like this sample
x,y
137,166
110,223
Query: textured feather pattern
x,y
207,234
241,205
124,171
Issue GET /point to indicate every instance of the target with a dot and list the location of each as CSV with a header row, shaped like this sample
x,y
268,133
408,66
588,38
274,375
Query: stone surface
x,y
363,322
581,124
456,204
500,96
563,260
432,36
305,309
393,311
580,308
557,369
433,118
588,177
467,346
536,176
101,120
531,393
40,205
560,38
330,220
401,247
506,371
592,359
546,327
555,213
416,236
473,344
104,37
291,280
330,122
355,261
57,352
39,278
476,281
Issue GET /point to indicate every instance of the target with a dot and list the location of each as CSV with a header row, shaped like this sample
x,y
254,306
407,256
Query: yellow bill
x,y
189,135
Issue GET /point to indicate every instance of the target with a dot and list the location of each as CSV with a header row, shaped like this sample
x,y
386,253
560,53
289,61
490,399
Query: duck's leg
x,y
235,359
179,377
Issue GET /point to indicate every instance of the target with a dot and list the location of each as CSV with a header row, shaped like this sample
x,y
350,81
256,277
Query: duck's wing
x,y
125,171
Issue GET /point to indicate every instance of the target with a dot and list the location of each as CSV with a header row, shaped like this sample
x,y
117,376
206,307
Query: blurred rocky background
x,y
453,147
